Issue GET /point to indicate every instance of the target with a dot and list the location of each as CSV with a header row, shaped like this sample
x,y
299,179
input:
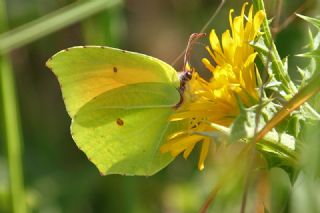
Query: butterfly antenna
x,y
192,40
186,74
187,52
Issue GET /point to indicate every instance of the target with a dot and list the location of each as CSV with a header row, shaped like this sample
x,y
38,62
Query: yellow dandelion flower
x,y
234,77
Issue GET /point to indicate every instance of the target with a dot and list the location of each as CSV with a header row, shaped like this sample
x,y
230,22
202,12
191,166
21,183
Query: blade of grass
x,y
12,136
11,126
52,22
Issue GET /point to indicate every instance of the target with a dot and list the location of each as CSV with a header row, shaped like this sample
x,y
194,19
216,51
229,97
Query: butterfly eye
x,y
185,76
189,75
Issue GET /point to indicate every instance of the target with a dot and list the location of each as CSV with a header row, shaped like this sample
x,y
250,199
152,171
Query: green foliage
x,y
314,21
58,178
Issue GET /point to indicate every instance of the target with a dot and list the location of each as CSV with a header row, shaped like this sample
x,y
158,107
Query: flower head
x,y
216,101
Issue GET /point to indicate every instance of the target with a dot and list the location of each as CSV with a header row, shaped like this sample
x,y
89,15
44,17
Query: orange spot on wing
x,y
120,122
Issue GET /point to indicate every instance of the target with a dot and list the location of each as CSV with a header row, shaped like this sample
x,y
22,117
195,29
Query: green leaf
x,y
311,54
314,40
278,148
278,81
306,74
315,22
244,125
300,98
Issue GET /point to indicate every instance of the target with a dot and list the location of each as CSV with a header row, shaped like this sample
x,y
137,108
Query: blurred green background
x,y
57,176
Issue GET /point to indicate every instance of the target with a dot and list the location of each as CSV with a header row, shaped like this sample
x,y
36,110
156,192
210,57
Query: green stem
x,y
11,126
279,69
12,135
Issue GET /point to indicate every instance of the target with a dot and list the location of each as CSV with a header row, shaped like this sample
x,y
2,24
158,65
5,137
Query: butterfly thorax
x,y
184,77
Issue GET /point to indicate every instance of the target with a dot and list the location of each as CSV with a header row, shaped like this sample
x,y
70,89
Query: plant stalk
x,y
12,136
11,126
52,22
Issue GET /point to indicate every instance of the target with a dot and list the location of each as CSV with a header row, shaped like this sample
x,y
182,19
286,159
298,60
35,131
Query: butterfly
x,y
120,103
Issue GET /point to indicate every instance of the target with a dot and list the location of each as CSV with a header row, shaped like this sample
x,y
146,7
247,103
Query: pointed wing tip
x,y
48,63
50,60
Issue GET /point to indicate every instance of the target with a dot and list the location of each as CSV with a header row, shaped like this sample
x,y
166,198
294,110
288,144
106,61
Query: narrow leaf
x,y
315,22
52,22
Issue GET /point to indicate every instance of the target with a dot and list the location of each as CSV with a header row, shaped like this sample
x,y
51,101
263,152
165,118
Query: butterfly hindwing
x,y
122,130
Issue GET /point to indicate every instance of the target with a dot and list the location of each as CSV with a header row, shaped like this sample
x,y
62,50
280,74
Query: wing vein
x,y
158,145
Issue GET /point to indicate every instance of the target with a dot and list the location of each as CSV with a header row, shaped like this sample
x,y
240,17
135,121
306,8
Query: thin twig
x,y
204,28
281,26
